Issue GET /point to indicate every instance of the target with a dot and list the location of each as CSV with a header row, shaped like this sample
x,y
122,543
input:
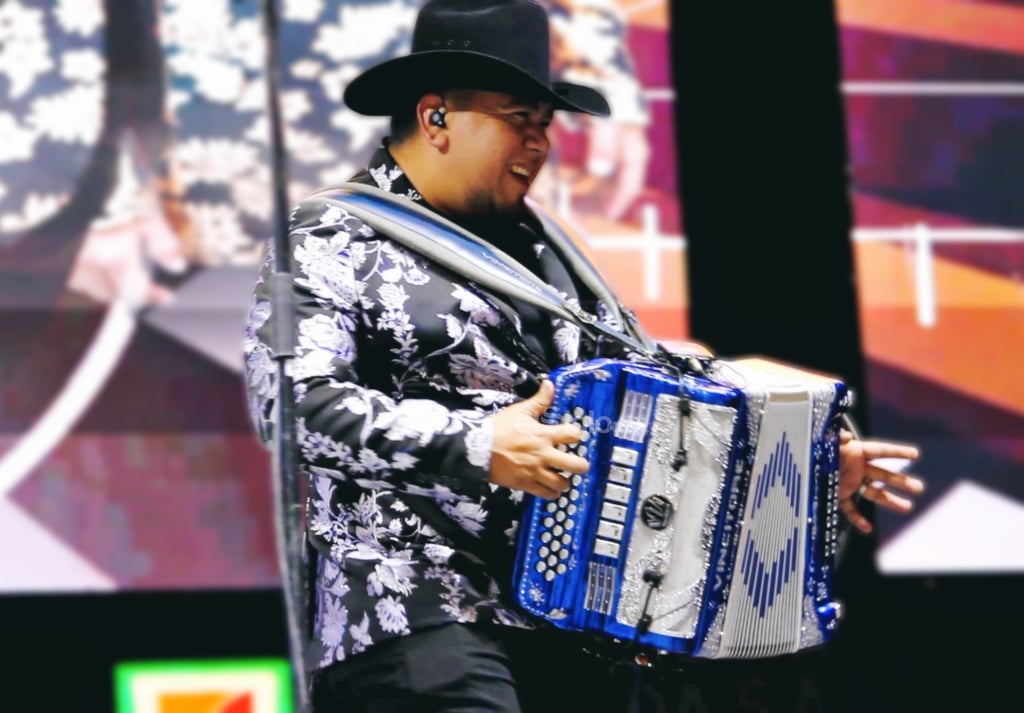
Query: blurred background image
x,y
934,98
135,200
832,184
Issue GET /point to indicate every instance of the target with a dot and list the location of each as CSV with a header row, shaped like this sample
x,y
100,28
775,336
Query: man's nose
x,y
537,139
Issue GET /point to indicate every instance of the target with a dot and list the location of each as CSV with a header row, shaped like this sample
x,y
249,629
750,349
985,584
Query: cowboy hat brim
x,y
386,88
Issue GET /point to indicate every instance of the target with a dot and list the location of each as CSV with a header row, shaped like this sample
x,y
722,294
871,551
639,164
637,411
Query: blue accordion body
x,y
707,522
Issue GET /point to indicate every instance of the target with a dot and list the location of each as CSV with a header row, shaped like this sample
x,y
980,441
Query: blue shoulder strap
x,y
569,250
466,254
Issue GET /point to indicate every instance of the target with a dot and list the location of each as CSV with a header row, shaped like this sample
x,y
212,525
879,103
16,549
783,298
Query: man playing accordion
x,y
419,393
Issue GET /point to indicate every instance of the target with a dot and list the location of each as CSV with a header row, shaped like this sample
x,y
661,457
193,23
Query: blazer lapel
x,y
566,334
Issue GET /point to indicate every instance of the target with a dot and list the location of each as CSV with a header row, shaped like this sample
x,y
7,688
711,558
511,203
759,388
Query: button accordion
x,y
707,523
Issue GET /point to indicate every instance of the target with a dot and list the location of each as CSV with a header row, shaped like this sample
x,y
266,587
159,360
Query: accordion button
x,y
543,552
556,531
545,537
549,575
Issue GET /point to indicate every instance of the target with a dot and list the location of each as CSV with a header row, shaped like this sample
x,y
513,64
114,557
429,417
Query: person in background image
x,y
418,393
89,212
137,134
86,197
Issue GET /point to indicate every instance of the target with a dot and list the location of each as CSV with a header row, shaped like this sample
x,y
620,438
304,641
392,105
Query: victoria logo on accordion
x,y
707,524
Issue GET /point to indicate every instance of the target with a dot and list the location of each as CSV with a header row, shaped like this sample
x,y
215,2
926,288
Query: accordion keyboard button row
x,y
832,531
618,494
556,538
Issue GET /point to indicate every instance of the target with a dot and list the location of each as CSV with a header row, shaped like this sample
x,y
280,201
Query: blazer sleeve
x,y
344,428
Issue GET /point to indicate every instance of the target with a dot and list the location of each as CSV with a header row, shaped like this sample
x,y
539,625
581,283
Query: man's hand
x,y
525,452
619,151
114,261
859,473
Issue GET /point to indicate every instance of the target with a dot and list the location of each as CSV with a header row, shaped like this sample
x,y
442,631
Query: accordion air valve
x,y
707,523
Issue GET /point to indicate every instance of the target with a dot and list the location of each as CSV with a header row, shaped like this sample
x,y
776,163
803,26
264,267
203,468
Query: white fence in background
x,y
922,238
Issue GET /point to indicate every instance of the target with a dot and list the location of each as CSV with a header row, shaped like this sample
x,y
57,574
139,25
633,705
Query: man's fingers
x,y
549,484
570,462
883,449
849,508
903,481
564,433
544,492
876,493
537,404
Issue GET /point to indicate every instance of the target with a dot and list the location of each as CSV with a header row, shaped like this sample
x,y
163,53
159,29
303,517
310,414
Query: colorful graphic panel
x,y
135,203
215,686
935,110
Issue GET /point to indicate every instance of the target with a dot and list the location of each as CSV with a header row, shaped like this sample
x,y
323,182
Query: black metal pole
x,y
288,505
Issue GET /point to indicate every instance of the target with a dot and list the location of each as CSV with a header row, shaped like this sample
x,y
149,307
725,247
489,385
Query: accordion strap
x,y
466,254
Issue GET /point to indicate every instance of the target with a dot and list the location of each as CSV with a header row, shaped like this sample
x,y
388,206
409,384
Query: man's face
x,y
497,145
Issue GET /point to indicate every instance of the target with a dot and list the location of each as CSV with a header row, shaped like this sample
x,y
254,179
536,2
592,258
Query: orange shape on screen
x,y
207,702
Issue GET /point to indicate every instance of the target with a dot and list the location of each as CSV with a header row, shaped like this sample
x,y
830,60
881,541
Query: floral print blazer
x,y
398,364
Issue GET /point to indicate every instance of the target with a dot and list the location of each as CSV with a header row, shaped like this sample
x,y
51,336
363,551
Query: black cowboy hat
x,y
496,45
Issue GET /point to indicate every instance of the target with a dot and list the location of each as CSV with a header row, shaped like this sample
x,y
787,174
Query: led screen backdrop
x,y
135,201
201,686
935,108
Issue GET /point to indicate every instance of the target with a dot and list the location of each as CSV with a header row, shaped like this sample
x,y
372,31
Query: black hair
x,y
404,122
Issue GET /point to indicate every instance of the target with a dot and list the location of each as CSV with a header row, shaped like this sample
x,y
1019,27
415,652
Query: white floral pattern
x,y
397,369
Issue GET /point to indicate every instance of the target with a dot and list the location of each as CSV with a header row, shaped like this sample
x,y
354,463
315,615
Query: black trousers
x,y
473,669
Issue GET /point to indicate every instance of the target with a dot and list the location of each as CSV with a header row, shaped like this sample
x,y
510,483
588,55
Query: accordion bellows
x,y
707,523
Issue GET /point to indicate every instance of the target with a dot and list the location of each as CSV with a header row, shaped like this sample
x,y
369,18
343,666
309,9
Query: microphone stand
x,y
288,505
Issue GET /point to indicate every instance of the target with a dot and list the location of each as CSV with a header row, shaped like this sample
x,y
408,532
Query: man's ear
x,y
431,115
